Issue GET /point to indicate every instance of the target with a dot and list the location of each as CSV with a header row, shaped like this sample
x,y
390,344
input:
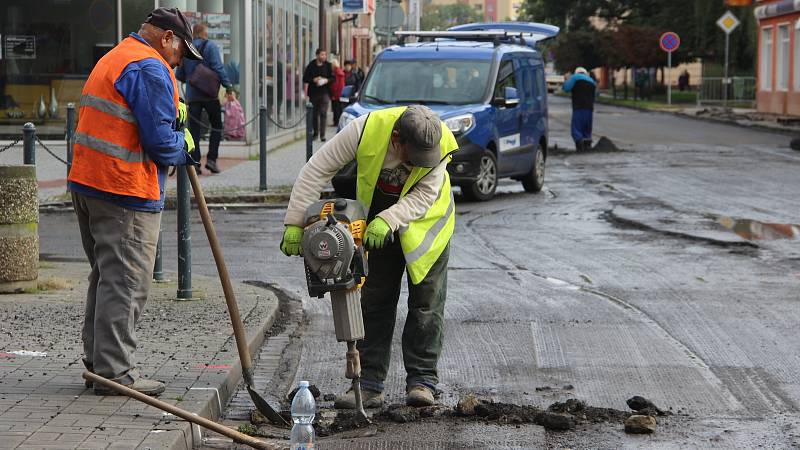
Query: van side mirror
x,y
346,93
511,97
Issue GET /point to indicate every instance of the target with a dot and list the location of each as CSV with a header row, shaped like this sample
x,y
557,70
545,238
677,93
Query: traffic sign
x,y
728,22
669,42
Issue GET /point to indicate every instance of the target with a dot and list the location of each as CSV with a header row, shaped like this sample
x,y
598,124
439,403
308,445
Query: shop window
x,y
782,63
765,64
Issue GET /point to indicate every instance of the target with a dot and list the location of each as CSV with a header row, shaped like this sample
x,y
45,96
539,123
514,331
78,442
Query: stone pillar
x,y
19,228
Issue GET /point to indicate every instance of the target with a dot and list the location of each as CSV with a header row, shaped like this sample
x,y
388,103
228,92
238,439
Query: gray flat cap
x,y
421,130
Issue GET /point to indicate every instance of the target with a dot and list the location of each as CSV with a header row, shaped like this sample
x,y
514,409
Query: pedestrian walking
x,y
125,141
234,117
317,79
336,91
203,79
582,87
683,81
354,76
402,155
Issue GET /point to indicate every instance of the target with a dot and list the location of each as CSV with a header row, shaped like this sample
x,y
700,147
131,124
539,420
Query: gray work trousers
x,y
121,246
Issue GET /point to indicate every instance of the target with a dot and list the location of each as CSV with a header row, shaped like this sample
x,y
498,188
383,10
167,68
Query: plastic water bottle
x,y
304,409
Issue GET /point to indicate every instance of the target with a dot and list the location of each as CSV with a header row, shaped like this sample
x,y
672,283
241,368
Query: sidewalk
x,y
744,117
186,344
240,170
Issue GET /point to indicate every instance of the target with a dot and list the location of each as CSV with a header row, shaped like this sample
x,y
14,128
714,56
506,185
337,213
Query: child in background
x,y
234,117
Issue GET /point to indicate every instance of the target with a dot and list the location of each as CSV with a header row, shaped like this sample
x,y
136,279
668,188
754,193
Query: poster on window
x,y
219,30
17,46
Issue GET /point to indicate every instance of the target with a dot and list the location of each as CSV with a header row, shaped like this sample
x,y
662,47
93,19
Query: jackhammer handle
x,y
222,269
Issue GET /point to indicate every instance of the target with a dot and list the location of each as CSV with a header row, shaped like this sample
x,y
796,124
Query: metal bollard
x,y
262,149
158,267
310,130
70,133
29,143
184,236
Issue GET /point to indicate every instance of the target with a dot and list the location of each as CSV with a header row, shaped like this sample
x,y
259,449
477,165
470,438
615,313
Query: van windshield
x,y
451,82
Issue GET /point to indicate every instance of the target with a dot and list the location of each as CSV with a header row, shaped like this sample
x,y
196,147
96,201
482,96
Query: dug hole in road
x,y
619,279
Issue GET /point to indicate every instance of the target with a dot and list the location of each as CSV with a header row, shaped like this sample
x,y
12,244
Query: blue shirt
x,y
212,59
147,88
574,79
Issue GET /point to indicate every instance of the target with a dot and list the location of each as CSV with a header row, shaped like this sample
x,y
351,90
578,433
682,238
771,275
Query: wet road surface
x,y
618,279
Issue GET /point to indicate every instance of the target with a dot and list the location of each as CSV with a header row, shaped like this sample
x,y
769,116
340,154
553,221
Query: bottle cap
x,y
303,384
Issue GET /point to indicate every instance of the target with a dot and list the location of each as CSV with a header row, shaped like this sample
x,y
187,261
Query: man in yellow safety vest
x,y
402,181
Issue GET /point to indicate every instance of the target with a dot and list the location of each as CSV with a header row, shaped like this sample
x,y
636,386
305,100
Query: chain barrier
x,y
7,147
50,151
291,127
222,130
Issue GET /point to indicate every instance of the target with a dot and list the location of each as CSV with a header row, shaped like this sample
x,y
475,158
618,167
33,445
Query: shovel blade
x,y
265,409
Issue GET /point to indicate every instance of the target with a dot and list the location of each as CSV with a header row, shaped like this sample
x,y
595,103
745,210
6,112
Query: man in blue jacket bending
x,y
198,101
582,87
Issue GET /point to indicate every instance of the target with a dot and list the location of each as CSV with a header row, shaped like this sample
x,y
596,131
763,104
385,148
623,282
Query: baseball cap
x,y
421,130
173,19
581,70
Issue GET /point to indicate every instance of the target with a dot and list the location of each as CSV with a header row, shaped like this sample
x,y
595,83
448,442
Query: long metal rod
x,y
184,233
183,414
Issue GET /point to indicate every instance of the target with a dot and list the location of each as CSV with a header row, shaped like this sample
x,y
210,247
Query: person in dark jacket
x,y
318,78
582,87
198,101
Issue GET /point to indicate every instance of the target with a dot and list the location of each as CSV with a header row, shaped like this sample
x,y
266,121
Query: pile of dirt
x,y
559,416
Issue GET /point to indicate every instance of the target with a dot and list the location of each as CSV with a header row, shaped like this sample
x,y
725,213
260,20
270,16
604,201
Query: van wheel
x,y
534,180
485,184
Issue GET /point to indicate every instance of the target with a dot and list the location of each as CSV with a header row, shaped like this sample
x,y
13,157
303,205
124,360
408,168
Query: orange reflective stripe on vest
x,y
107,154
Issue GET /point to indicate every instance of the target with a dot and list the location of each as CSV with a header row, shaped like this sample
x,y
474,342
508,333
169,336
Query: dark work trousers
x,y
214,112
320,112
121,247
424,325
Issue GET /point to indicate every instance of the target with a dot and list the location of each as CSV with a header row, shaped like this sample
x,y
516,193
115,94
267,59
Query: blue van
x,y
486,82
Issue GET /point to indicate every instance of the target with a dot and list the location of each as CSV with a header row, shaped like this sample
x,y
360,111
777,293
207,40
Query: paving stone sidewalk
x,y
186,344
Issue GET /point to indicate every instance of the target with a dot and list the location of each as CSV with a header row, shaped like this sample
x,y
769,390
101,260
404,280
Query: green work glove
x,y
290,244
189,140
377,234
183,114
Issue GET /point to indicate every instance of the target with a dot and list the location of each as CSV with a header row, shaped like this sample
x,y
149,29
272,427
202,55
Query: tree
x,y
442,17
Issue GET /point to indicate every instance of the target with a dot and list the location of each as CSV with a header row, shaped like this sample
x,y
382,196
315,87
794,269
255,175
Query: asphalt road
x,y
616,280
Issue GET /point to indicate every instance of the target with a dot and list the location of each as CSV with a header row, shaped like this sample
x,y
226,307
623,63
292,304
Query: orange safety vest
x,y
107,153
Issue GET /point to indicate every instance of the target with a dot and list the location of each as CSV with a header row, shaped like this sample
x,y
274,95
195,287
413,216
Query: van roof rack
x,y
525,33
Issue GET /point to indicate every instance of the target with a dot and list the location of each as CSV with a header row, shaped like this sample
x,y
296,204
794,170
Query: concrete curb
x,y
204,403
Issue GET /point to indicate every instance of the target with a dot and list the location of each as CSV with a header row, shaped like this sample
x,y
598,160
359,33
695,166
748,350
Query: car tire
x,y
485,184
534,180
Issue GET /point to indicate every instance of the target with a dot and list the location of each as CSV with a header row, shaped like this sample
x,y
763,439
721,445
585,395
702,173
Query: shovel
x,y
233,308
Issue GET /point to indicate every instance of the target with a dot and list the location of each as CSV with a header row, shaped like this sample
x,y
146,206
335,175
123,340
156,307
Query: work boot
x,y
419,395
587,145
212,166
371,399
146,387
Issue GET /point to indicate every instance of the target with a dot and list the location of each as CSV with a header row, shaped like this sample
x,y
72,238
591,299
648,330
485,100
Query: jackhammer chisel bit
x,y
354,372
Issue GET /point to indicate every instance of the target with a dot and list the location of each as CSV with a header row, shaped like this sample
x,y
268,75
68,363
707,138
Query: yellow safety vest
x,y
425,238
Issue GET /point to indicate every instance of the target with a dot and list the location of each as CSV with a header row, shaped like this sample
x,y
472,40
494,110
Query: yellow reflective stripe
x,y
110,149
108,107
430,235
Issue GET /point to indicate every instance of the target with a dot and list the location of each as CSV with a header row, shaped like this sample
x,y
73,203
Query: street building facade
x,y
778,56
45,58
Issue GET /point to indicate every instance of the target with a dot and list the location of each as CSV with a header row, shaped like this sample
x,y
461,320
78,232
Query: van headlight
x,y
460,124
345,119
